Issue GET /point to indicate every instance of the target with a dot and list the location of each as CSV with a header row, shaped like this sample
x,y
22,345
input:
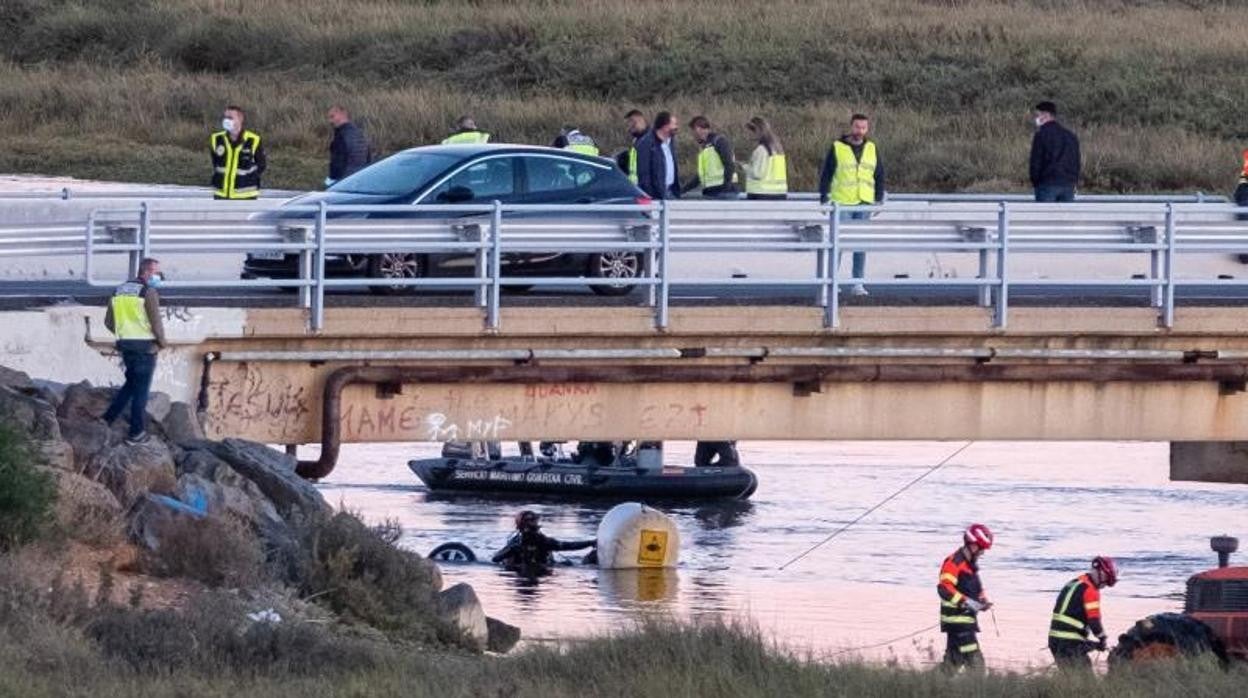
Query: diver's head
x,y
528,521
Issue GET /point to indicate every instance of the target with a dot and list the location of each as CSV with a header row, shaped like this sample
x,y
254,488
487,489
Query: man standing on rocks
x,y
134,317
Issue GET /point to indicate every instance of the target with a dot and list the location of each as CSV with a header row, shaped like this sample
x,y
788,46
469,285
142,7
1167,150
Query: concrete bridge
x,y
746,372
742,367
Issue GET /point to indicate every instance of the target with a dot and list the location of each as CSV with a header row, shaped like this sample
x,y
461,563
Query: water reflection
x,y
1053,507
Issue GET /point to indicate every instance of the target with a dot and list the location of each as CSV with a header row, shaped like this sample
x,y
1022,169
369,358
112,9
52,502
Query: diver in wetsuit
x,y
530,549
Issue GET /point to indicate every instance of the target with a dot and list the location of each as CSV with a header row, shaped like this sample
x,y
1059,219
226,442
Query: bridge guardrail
x,y
995,232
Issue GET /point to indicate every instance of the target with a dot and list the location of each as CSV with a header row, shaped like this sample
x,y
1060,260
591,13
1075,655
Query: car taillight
x,y
644,201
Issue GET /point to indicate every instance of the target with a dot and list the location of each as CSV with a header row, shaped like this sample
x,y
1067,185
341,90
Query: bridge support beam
x,y
1209,461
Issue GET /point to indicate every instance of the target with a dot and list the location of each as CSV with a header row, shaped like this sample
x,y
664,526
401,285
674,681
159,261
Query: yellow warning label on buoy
x,y
653,549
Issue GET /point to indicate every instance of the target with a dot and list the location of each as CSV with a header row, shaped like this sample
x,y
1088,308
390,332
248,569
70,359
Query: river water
x,y
1053,506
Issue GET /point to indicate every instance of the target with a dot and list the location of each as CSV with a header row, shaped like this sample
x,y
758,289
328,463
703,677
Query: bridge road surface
x,y
23,295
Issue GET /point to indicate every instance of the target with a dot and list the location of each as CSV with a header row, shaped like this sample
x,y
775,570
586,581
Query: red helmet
x,y
1108,569
979,535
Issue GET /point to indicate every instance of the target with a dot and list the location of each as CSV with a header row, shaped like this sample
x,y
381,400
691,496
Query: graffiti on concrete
x,y
267,402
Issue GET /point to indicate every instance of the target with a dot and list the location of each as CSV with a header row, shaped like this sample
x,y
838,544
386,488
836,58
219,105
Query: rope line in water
x,y
879,504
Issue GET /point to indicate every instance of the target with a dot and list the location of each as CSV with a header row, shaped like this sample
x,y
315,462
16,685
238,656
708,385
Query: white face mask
x,y
227,124
1039,121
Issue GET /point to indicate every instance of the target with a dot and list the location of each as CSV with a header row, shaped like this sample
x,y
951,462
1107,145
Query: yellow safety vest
x,y
469,137
632,164
235,173
854,182
711,167
130,313
582,148
774,181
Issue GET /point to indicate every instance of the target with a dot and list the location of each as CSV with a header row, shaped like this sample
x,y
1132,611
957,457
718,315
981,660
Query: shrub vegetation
x,y
129,89
27,494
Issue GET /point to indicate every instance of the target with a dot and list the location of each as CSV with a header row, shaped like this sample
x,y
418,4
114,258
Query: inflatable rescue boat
x,y
599,471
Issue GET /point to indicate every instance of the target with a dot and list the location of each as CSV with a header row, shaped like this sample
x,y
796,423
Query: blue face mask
x,y
155,280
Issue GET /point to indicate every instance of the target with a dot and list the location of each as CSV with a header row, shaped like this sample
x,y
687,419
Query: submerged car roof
x,y
467,150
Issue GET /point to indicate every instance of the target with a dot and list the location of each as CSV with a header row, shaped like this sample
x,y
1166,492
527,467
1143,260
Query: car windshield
x,y
398,174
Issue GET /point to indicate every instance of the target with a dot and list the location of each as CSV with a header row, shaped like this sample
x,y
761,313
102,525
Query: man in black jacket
x,y
1055,160
657,173
348,151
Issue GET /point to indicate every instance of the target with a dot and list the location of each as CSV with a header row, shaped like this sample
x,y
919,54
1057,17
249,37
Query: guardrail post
x,y
832,312
985,291
822,263
496,265
136,256
1003,265
1167,313
481,266
307,257
665,249
88,264
318,290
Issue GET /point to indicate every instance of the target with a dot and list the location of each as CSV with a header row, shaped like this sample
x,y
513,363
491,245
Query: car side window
x,y
483,181
547,175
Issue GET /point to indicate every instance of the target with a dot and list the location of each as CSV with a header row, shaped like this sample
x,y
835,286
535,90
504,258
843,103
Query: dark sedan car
x,y
468,174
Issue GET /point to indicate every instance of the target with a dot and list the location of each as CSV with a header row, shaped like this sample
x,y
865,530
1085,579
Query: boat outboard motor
x,y
633,536
650,456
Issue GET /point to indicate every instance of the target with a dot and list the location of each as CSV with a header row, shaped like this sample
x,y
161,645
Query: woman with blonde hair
x,y
766,174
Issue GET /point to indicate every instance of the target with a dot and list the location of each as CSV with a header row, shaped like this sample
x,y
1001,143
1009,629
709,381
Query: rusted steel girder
x,y
805,379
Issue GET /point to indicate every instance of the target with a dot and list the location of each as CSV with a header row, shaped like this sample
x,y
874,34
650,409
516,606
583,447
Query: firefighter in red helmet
x,y
962,597
1077,616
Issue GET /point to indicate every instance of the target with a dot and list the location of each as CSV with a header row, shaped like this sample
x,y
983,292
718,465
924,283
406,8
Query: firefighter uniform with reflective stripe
x,y
236,165
1076,614
959,581
467,137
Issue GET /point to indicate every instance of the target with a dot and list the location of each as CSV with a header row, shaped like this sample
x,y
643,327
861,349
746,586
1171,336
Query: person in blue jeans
x,y
134,317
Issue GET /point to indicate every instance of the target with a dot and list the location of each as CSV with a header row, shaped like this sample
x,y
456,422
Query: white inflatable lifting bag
x,y
633,536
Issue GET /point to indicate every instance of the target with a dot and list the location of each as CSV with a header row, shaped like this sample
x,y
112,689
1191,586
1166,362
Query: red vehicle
x,y
1214,619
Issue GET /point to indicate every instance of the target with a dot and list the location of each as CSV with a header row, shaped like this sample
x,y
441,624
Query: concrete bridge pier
x,y
1209,461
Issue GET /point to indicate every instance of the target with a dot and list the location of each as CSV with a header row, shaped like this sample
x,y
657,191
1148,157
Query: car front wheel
x,y
394,265
614,265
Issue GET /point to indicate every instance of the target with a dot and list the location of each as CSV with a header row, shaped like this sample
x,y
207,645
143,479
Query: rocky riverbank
x,y
157,528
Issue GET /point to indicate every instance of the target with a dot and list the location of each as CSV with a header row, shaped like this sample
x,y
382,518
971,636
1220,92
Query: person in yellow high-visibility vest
x,y
717,166
134,317
466,133
766,174
853,175
571,138
637,126
238,158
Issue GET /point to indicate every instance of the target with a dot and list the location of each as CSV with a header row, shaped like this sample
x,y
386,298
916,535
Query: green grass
x,y
129,90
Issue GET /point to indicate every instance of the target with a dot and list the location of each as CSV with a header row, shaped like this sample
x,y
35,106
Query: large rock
x,y
15,379
56,454
182,424
502,636
459,606
86,509
274,473
85,402
150,517
158,406
86,438
29,414
130,472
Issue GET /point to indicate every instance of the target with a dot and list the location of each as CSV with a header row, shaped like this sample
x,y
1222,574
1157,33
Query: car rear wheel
x,y
394,265
614,265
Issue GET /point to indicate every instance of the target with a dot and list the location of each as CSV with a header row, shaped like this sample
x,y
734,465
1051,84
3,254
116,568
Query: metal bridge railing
x,y
995,233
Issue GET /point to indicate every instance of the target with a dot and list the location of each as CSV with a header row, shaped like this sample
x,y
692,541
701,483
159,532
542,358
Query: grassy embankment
x,y
129,89
364,632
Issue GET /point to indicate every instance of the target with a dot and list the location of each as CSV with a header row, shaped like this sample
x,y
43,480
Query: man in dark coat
x,y
1055,160
657,173
348,151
